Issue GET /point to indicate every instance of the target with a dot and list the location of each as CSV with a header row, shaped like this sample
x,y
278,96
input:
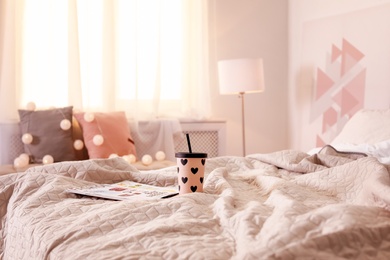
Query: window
x,y
111,55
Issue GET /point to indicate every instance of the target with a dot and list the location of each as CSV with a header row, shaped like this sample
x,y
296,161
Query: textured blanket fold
x,y
283,205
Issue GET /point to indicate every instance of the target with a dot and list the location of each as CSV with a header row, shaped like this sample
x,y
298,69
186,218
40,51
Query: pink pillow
x,y
114,129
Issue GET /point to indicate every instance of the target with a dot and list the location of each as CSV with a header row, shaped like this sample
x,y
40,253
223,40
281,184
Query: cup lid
x,y
190,155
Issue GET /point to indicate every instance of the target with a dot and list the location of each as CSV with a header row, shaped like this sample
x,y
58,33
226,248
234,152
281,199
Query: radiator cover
x,y
205,136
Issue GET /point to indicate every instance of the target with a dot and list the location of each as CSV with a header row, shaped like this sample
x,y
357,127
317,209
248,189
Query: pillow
x,y
115,130
367,126
380,150
48,138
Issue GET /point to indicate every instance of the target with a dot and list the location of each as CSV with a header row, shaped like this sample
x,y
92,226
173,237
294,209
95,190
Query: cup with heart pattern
x,y
190,169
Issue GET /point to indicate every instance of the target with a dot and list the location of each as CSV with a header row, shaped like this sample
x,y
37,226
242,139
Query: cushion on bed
x,y
48,136
367,126
114,129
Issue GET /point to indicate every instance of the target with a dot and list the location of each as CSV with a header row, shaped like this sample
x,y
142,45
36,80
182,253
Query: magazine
x,y
127,190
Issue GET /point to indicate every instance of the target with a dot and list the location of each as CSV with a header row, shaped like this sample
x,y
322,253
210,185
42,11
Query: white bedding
x,y
379,150
283,205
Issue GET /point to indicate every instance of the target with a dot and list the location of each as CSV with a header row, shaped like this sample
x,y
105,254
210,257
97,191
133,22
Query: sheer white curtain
x,y
147,57
8,60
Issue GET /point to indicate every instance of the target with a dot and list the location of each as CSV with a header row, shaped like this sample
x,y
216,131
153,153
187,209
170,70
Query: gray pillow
x,y
48,136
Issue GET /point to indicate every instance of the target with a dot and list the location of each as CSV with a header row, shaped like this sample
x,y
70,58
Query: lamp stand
x,y
241,95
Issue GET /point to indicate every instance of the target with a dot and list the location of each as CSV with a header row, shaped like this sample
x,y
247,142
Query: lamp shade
x,y
240,76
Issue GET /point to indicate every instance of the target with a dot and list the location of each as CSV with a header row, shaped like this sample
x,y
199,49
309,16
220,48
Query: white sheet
x,y
380,150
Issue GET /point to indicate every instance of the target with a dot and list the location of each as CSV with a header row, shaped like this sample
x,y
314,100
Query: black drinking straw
x,y
189,143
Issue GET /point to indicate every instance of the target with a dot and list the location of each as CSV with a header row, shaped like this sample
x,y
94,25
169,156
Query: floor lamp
x,y
241,76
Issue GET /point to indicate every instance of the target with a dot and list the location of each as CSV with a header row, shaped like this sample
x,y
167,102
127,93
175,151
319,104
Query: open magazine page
x,y
127,190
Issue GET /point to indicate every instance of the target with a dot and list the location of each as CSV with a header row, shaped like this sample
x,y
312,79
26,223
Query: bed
x,y
332,202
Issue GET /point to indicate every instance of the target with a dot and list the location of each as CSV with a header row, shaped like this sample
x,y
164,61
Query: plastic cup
x,y
190,169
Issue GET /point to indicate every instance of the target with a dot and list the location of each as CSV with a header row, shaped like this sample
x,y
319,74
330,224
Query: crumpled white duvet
x,y
284,205
379,150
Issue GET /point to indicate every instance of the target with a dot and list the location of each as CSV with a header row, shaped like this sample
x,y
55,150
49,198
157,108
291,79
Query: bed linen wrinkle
x,y
283,205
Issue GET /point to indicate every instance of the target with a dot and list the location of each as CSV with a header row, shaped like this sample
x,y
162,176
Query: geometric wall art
x,y
339,90
344,66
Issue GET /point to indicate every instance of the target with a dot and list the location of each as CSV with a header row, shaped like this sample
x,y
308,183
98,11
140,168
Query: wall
x,y
326,37
252,29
